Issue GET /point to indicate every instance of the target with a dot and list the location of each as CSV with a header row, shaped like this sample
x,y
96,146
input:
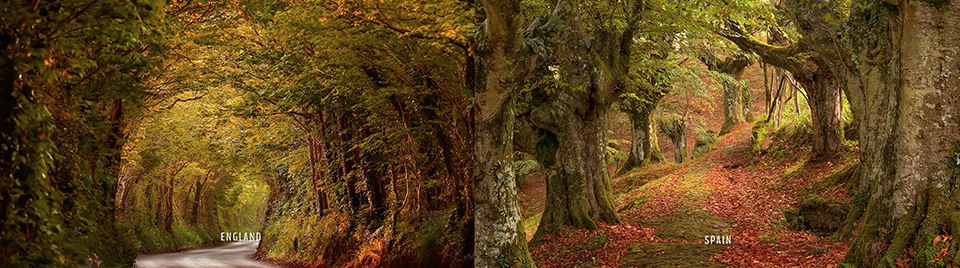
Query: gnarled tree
x,y
811,69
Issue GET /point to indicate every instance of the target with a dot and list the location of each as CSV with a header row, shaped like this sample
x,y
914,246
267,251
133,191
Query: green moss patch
x,y
820,215
689,224
672,255
704,143
530,225
641,176
758,134
849,175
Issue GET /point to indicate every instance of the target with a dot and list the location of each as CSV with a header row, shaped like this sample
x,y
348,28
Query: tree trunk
x,y
599,192
825,106
347,164
734,107
332,155
904,88
745,102
114,146
643,137
195,208
676,130
315,147
500,72
168,205
375,193
578,184
372,175
767,92
567,149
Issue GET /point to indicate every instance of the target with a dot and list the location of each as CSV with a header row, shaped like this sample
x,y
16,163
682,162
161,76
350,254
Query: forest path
x,y
235,254
668,210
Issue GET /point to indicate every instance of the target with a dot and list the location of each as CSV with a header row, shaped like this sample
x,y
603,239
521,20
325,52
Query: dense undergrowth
x,y
430,237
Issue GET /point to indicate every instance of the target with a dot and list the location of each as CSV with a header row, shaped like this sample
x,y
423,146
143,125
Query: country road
x,y
236,254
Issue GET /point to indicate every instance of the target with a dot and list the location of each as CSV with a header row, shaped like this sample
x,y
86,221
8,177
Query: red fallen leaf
x,y
900,263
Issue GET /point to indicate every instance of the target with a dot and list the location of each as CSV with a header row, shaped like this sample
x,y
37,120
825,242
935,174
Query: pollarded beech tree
x,y
571,147
652,80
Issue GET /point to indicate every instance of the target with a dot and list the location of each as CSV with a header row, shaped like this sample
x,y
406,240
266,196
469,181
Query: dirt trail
x,y
236,254
668,209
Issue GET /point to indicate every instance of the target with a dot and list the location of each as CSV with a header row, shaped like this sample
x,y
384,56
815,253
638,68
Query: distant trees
x,y
644,146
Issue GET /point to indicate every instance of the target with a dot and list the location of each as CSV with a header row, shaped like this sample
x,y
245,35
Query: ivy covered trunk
x,y
500,72
904,87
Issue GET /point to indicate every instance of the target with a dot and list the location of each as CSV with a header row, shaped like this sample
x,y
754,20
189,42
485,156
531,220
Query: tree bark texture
x,y
578,183
903,83
500,72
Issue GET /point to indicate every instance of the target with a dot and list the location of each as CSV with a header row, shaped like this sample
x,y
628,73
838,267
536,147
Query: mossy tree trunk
x,y
746,101
573,119
552,134
736,106
599,192
500,70
904,87
566,149
644,148
824,103
675,129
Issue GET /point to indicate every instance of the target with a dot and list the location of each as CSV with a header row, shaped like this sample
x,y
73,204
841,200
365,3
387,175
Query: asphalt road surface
x,y
236,254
